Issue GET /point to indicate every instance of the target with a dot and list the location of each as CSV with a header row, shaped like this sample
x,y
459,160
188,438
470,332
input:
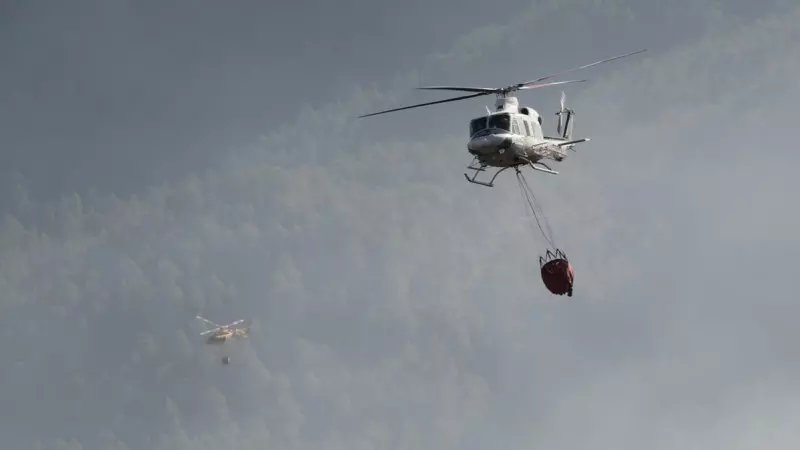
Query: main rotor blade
x,y
460,88
208,322
553,83
581,67
209,331
419,105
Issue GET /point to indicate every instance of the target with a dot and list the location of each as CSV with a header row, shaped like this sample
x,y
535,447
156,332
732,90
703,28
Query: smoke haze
x,y
167,159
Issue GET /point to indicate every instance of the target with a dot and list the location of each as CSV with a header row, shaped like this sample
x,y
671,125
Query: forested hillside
x,y
396,306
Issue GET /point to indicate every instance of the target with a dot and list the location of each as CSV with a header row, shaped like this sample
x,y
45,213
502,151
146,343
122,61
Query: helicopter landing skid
x,y
538,165
482,168
542,167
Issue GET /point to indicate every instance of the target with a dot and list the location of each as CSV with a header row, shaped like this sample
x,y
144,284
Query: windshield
x,y
502,121
476,125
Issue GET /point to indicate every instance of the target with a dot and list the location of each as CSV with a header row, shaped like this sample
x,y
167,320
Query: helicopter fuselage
x,y
219,338
223,336
511,136
499,148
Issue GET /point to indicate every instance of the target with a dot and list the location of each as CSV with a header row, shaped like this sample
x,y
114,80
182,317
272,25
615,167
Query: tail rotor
x,y
565,122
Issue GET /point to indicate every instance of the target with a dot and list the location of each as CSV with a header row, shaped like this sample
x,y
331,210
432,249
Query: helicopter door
x,y
515,126
532,127
527,127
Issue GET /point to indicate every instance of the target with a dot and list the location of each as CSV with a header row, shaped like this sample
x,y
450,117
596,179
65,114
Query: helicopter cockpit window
x,y
476,125
502,121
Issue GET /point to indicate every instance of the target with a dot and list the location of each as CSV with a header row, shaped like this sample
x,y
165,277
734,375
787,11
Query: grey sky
x,y
394,305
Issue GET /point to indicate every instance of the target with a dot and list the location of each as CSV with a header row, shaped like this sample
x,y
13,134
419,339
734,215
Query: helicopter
x,y
512,135
222,333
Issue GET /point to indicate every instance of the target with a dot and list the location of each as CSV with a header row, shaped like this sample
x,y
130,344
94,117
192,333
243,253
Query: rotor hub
x,y
506,103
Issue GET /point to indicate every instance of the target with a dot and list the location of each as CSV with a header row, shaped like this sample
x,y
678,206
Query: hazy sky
x,y
395,305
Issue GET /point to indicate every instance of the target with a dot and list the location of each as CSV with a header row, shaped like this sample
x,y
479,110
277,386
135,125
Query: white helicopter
x,y
223,333
512,136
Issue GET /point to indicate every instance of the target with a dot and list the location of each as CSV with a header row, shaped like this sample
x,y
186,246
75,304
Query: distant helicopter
x,y
512,135
222,333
